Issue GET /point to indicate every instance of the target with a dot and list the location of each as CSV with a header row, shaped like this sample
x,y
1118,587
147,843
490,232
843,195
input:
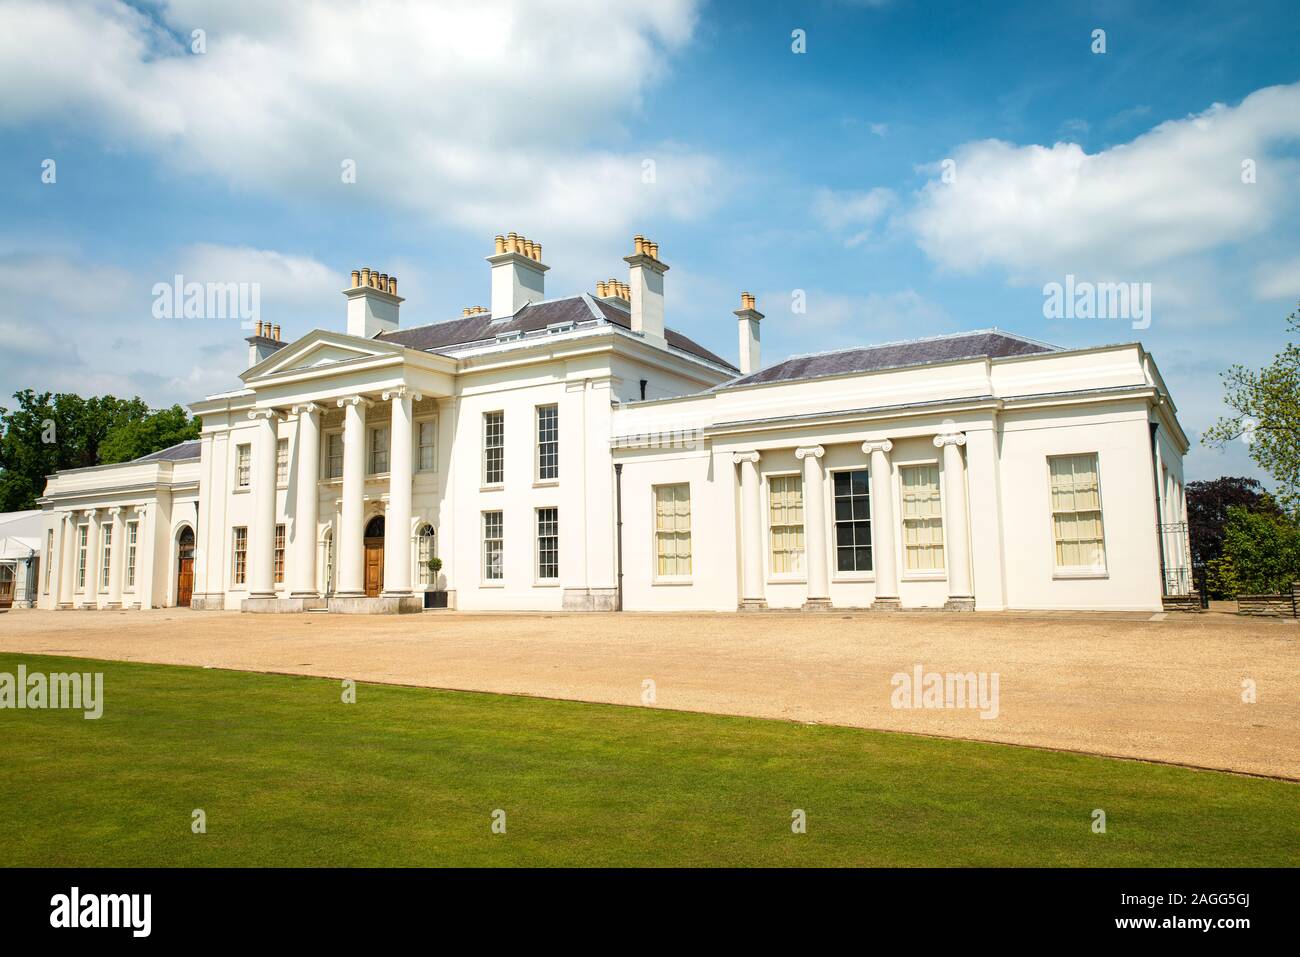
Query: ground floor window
x,y
132,537
1076,512
239,554
493,546
329,563
83,534
427,548
105,571
922,518
548,544
673,530
852,521
49,558
785,525
279,554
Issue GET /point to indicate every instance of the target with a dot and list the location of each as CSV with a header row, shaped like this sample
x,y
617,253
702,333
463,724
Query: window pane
x,y
428,449
548,442
785,525
673,529
1075,496
493,448
852,521
922,518
493,546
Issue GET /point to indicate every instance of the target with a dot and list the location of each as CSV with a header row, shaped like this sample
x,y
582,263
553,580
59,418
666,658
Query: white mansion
x,y
576,453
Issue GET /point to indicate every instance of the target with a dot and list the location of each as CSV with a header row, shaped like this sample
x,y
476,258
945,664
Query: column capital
x,y
90,512
402,392
273,415
307,408
877,445
949,438
116,510
739,457
354,400
816,451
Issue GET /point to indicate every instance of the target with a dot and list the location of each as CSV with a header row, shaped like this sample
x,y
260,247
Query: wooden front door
x,y
185,568
7,576
374,568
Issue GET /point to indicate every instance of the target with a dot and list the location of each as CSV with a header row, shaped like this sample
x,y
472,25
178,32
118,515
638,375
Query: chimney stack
x,y
518,276
264,342
749,318
372,303
646,288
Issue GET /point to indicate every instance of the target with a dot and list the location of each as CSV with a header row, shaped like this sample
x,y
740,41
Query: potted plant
x,y
435,597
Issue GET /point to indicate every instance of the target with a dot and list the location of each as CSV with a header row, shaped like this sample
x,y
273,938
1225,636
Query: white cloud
x,y
852,214
1175,191
287,282
489,114
1279,280
835,320
86,312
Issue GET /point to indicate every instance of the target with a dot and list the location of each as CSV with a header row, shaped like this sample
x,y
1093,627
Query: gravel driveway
x,y
1165,690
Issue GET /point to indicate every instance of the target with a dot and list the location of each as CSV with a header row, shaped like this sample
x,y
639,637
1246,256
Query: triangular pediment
x,y
319,349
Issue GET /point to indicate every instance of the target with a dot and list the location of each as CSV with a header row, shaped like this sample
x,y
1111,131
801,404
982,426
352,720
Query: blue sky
x,y
775,171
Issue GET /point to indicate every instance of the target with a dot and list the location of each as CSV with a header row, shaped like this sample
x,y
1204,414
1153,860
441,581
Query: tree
x,y
1266,413
49,432
1207,511
1263,549
157,430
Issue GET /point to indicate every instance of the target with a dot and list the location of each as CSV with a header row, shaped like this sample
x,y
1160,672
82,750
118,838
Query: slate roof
x,y
984,343
470,330
174,453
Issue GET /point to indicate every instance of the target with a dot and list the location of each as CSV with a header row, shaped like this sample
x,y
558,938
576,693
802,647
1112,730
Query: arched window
x,y
428,548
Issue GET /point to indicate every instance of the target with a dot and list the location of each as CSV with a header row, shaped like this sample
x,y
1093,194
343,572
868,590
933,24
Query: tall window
x,y
279,554
132,536
922,518
785,514
49,558
329,563
428,445
106,556
428,548
243,463
852,521
493,547
239,554
281,461
548,544
548,442
83,535
334,455
1076,512
379,450
494,452
673,530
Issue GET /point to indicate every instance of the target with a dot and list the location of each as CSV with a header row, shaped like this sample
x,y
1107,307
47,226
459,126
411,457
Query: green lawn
x,y
289,775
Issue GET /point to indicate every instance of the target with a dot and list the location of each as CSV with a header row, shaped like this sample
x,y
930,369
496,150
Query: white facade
x,y
576,454
20,558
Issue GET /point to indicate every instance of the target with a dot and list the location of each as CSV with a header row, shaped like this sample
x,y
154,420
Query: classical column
x,y
883,553
814,527
90,594
397,526
261,537
115,563
349,544
68,568
306,511
751,532
145,560
956,527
